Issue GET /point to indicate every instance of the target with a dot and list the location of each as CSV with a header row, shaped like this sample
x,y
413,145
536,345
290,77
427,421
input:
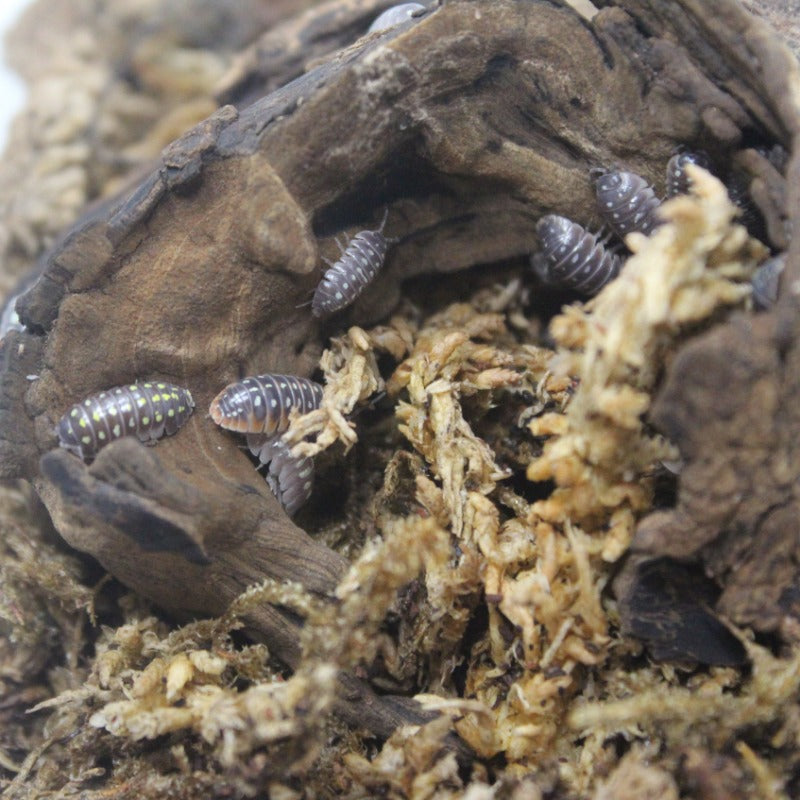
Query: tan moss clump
x,y
617,345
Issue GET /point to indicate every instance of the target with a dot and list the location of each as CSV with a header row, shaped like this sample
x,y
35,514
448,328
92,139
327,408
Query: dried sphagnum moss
x,y
498,605
617,345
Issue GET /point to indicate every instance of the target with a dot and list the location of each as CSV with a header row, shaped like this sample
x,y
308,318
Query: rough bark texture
x,y
727,403
477,119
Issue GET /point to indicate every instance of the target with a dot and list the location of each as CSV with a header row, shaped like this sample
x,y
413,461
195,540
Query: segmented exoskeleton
x,y
678,182
626,202
145,410
572,257
259,406
261,403
291,478
347,278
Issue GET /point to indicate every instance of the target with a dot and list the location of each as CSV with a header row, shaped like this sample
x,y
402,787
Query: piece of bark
x,y
738,507
467,126
727,399
285,51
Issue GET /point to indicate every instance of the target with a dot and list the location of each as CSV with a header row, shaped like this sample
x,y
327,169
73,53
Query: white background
x,y
11,87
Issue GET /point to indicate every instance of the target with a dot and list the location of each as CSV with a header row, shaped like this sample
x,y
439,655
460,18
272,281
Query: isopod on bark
x,y
678,182
145,410
395,15
291,478
346,279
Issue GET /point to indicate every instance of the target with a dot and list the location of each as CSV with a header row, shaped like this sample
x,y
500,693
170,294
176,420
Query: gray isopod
x,y
346,279
678,182
572,257
291,478
259,406
627,202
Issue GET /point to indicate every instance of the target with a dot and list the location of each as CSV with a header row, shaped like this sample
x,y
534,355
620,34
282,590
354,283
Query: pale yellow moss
x,y
615,345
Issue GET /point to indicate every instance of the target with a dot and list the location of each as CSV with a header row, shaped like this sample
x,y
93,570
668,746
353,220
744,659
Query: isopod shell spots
x,y
361,261
572,257
147,411
627,202
678,182
262,403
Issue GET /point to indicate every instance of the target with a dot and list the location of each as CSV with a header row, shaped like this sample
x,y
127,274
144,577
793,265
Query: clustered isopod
x,y
290,478
346,279
573,257
576,259
259,406
262,403
144,410
627,202
678,182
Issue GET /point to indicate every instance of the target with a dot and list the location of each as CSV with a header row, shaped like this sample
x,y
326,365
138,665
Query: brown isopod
x,y
572,257
262,403
627,202
259,406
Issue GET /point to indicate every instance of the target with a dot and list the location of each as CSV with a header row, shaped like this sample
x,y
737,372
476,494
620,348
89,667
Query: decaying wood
x,y
475,120
728,404
737,511
286,51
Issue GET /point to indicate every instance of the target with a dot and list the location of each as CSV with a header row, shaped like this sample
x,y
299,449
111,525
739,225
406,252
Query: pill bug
x,y
395,16
627,202
291,478
261,403
145,410
573,257
766,281
346,279
678,182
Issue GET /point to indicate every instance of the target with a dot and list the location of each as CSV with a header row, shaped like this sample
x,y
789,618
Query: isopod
x,y
678,182
627,202
261,403
573,257
766,281
291,478
145,410
360,262
395,16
